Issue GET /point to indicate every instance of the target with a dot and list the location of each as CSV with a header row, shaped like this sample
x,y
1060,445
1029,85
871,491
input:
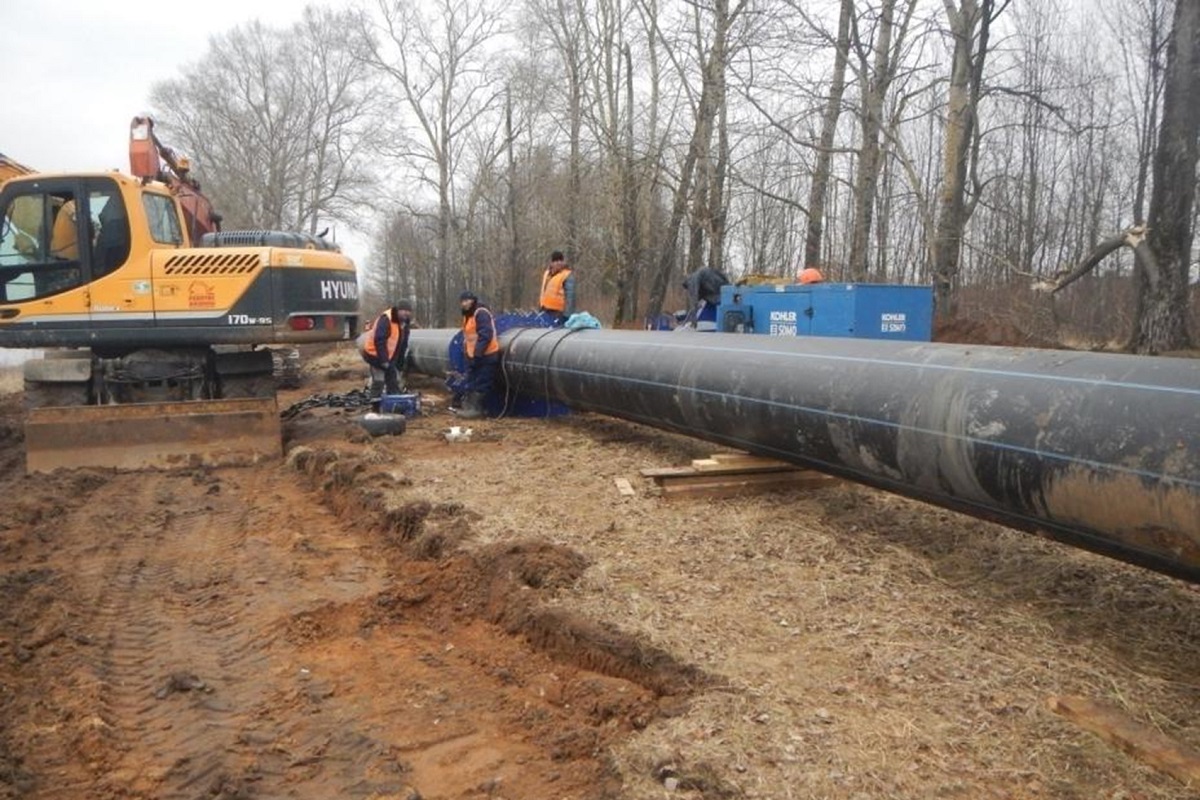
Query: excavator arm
x,y
12,169
151,160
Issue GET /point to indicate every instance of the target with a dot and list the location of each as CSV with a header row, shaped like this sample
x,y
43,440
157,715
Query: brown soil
x,y
406,617
997,333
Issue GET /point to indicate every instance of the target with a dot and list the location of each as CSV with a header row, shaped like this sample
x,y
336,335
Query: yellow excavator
x,y
157,325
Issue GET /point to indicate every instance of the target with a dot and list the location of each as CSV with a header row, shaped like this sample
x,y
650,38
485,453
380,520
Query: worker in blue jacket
x,y
481,347
384,346
704,295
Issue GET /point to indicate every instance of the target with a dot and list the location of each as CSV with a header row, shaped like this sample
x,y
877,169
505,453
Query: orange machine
x,y
150,303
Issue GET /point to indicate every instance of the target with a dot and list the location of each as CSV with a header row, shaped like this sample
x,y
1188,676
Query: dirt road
x,y
403,618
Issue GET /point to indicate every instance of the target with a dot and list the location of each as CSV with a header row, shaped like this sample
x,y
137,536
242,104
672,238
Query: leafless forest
x,y
987,147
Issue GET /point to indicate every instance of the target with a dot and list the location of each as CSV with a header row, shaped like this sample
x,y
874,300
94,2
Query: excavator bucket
x,y
153,435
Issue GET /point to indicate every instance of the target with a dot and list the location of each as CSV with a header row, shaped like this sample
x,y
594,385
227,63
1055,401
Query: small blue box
x,y
407,404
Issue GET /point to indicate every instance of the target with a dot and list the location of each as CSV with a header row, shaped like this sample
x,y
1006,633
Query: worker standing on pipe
x,y
481,346
384,346
704,294
558,290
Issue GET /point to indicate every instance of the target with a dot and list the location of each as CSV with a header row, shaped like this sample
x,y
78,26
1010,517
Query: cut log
x,y
1144,743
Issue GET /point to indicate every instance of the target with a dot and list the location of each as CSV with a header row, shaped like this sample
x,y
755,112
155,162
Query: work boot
x,y
472,407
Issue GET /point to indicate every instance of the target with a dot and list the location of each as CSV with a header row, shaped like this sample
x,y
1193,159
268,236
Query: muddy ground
x,y
410,618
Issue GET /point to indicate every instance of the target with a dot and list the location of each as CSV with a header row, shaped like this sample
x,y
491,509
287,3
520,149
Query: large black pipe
x,y
1100,451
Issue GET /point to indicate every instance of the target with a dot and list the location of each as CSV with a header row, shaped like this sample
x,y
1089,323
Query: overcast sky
x,y
76,71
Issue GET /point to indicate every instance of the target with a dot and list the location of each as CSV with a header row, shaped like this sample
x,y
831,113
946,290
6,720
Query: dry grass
x,y
867,646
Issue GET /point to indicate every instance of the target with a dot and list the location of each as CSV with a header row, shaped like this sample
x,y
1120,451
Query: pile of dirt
x,y
996,333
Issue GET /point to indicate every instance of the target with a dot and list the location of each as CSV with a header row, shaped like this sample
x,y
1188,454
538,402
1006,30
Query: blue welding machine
x,y
854,310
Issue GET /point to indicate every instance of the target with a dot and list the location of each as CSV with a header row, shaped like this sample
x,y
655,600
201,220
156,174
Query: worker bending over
x,y
558,290
384,346
481,346
704,295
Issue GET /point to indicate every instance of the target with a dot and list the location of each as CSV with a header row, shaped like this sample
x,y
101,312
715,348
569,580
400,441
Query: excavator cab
x,y
40,232
42,226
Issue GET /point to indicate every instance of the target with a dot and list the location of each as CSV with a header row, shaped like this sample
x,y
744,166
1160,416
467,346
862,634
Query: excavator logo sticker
x,y
339,290
201,295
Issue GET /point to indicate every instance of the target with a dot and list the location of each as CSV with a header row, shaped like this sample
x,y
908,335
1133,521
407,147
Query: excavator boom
x,y
12,169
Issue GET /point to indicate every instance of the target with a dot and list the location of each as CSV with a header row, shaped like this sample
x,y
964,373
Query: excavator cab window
x,y
110,228
39,242
163,219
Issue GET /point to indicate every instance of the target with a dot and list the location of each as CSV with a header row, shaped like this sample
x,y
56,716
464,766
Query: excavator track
x,y
230,432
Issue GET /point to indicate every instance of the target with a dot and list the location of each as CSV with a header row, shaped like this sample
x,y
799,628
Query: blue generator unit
x,y
854,310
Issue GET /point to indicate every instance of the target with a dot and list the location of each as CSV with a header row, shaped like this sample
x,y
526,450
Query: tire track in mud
x,y
253,638
124,635
153,647
180,583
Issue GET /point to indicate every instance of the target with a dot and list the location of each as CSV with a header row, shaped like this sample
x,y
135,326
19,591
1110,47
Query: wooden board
x,y
1130,736
742,458
749,464
723,464
732,486
731,474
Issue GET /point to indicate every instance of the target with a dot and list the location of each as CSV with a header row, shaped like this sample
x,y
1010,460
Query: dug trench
x,y
313,630
597,683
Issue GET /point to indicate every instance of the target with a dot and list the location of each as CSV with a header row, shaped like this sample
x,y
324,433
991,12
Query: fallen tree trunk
x,y
1134,238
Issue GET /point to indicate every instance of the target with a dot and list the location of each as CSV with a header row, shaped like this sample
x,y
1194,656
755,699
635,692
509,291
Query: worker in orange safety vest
x,y
384,346
558,290
481,346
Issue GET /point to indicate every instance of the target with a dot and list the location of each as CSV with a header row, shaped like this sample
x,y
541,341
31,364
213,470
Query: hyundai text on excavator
x,y
156,323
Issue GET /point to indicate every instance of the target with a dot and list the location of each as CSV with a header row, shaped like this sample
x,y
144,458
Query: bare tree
x,y
819,189
516,274
715,63
1161,320
878,63
277,121
564,21
630,250
339,136
1141,37
970,25
1162,249
436,57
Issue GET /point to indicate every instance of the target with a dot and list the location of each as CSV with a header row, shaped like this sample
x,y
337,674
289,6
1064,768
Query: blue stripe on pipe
x,y
917,365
